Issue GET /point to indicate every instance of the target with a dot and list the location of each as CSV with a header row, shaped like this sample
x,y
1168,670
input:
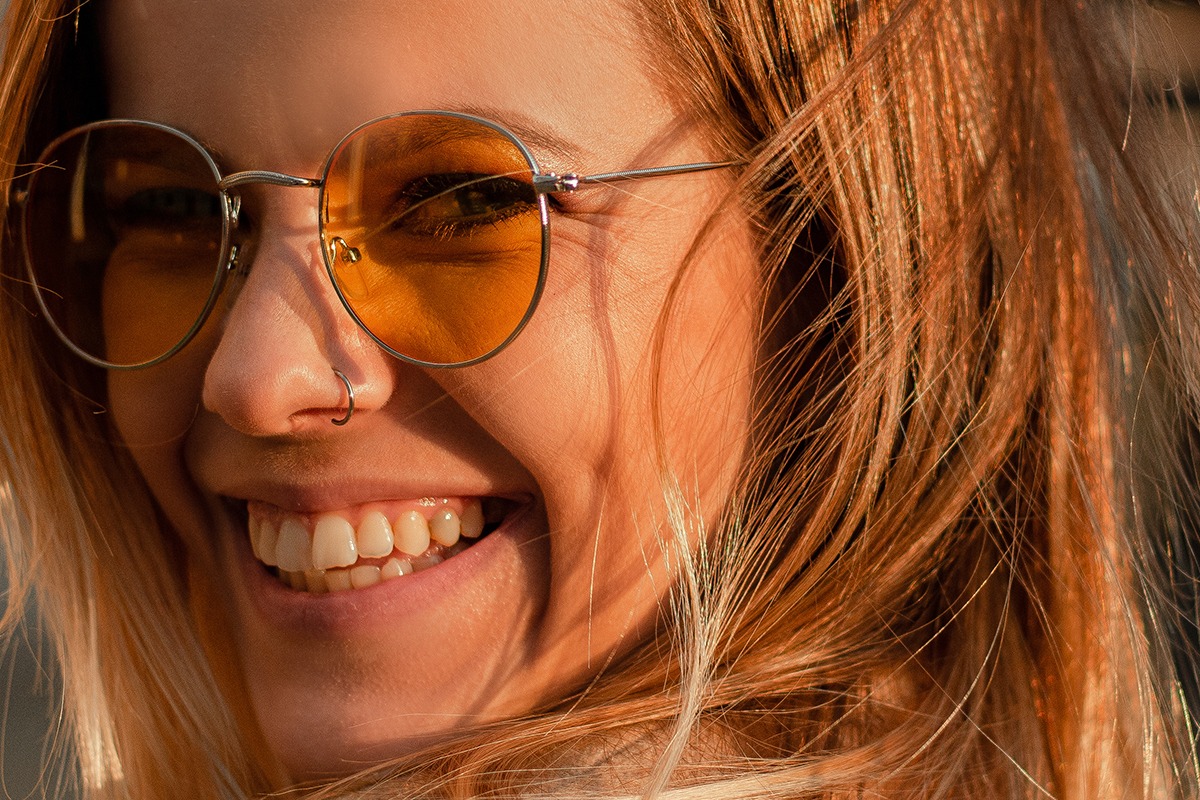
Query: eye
x,y
452,204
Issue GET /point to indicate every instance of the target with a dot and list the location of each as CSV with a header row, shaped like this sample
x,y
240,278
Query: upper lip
x,y
347,482
348,471
302,498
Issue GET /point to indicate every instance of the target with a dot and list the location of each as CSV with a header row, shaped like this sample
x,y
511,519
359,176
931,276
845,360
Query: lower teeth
x,y
360,576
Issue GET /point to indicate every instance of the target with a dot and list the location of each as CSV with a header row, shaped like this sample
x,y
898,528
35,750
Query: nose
x,y
286,337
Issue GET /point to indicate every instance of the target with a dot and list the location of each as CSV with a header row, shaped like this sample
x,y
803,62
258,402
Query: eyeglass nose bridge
x,y
255,176
263,177
266,177
235,264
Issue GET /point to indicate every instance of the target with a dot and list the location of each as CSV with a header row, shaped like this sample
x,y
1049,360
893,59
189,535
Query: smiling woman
x,y
689,399
232,434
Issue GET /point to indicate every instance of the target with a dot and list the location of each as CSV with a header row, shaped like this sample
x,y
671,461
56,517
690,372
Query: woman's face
x,y
552,441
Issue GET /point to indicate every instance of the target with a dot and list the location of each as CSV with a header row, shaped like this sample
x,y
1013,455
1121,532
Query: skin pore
x,y
235,429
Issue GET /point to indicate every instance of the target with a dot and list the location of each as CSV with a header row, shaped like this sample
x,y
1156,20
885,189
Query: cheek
x,y
148,309
703,389
574,398
152,410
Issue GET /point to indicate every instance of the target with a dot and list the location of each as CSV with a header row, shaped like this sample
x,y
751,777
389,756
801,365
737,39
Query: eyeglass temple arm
x,y
548,183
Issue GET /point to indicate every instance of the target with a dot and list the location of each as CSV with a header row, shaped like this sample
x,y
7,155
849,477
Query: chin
x,y
354,664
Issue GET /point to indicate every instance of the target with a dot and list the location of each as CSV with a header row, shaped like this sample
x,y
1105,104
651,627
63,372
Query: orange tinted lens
x,y
434,235
123,232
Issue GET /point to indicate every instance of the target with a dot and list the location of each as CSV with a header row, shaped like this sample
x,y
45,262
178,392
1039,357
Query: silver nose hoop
x,y
350,399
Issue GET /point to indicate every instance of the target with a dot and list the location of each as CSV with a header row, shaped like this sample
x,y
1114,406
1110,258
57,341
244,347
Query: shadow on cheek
x,y
156,406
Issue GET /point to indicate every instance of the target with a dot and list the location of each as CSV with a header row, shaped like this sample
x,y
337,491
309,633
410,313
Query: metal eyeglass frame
x,y
544,183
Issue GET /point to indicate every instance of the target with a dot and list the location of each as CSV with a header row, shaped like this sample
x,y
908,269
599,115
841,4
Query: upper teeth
x,y
334,542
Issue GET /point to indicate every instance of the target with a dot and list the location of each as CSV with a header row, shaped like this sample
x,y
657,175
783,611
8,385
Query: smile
x,y
327,552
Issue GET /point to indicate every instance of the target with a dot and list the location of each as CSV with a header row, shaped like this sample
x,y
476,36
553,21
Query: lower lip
x,y
340,613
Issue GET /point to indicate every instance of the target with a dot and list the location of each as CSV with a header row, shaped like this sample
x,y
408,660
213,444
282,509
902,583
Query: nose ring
x,y
349,394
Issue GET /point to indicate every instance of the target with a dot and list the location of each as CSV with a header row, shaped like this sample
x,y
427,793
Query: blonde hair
x,y
932,579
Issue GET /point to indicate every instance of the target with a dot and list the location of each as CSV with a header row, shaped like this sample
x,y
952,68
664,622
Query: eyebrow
x,y
539,135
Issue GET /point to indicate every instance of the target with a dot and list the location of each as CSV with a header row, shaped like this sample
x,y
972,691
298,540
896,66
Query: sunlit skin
x,y
560,421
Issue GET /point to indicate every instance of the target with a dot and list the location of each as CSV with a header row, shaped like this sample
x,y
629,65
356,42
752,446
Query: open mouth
x,y
333,552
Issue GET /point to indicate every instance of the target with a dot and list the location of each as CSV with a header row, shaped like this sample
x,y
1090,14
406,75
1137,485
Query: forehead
x,y
277,82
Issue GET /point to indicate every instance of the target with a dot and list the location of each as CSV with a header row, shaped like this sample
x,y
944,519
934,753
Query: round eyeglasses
x,y
433,225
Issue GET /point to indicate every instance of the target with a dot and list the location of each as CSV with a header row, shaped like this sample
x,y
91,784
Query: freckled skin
x,y
561,418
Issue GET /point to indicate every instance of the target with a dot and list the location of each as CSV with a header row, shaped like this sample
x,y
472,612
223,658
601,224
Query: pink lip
x,y
356,611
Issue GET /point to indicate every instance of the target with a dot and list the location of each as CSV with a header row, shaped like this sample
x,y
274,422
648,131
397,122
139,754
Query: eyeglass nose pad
x,y
350,255
237,270
349,278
